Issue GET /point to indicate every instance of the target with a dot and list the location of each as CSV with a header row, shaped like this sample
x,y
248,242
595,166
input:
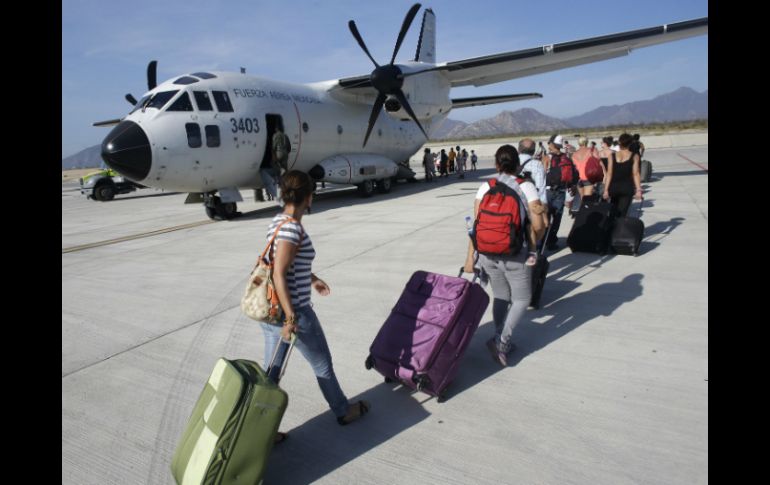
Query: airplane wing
x,y
484,100
480,71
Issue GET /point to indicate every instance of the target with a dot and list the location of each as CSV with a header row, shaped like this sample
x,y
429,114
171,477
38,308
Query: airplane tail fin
x,y
426,46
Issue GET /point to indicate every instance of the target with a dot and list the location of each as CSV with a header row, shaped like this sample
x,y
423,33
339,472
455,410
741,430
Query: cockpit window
x,y
223,101
159,100
140,103
186,80
203,101
181,104
204,75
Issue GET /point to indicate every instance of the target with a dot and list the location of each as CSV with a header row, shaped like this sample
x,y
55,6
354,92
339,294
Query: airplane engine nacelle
x,y
354,169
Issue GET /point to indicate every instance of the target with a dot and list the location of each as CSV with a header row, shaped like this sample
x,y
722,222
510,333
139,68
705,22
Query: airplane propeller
x,y
388,79
152,70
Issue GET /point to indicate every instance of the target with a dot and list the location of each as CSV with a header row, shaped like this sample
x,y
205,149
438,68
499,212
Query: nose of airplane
x,y
127,150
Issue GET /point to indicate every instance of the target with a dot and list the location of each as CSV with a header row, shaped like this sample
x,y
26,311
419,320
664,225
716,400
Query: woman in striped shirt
x,y
292,255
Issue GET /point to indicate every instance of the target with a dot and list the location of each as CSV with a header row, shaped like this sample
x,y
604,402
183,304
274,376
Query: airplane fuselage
x,y
217,136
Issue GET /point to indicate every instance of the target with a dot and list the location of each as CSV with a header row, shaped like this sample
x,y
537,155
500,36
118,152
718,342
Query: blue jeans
x,y
556,199
311,342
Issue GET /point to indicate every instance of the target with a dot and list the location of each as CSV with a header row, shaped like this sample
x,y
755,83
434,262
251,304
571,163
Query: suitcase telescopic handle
x,y
462,270
292,339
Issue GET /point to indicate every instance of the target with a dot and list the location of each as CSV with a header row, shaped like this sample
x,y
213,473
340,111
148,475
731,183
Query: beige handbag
x,y
260,300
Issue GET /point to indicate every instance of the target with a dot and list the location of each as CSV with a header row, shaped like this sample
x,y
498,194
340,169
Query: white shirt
x,y
536,169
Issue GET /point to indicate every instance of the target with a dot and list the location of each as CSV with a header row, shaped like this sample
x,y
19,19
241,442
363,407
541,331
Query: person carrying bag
x,y
260,300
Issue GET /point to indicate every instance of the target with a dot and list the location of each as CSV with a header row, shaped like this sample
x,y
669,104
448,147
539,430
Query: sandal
x,y
362,407
280,437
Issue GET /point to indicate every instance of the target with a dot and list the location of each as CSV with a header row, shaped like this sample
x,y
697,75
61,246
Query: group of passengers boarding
x,y
547,185
533,182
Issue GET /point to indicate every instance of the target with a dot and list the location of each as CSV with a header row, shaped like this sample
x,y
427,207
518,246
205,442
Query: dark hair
x,y
625,140
636,137
507,159
427,150
607,140
296,186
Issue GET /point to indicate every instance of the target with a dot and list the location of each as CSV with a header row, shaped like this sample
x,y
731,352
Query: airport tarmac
x,y
609,384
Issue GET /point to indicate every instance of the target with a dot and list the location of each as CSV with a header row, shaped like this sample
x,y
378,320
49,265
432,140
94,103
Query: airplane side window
x,y
203,101
212,136
193,135
160,99
186,80
181,104
204,75
223,101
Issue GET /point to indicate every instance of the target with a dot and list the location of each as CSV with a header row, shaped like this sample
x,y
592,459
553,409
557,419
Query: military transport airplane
x,y
209,133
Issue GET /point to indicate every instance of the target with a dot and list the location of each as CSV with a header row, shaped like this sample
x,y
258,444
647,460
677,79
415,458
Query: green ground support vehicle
x,y
104,184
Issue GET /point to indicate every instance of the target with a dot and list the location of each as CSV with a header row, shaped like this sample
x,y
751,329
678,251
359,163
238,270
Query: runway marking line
x,y
135,236
694,163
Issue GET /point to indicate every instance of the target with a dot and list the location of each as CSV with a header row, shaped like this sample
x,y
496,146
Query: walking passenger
x,y
292,255
430,166
474,160
558,185
509,275
623,178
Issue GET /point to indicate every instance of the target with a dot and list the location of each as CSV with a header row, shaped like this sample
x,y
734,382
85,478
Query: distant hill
x,y
88,158
684,104
525,120
448,128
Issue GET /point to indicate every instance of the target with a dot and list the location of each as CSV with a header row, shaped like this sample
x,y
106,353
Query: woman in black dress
x,y
623,181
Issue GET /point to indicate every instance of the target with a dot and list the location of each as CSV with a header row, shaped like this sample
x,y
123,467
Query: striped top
x,y
298,275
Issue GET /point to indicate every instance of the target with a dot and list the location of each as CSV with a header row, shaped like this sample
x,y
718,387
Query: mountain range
x,y
684,104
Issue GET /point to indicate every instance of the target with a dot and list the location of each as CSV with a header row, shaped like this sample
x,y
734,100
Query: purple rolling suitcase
x,y
423,340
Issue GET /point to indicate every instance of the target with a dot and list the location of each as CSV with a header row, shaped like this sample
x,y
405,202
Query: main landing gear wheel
x,y
366,188
384,185
218,210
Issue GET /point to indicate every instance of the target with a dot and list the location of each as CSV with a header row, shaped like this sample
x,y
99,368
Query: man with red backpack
x,y
508,214
561,178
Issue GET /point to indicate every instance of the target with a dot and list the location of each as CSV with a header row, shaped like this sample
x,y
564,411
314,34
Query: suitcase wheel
x,y
441,397
422,382
388,380
369,362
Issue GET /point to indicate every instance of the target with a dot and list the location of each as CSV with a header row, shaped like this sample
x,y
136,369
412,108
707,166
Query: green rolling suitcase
x,y
232,427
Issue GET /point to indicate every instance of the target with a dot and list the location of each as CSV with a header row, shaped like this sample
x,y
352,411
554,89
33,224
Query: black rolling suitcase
x,y
627,234
539,272
645,171
590,232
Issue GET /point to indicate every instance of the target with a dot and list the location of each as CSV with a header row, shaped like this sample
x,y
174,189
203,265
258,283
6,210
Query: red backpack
x,y
562,172
500,223
593,170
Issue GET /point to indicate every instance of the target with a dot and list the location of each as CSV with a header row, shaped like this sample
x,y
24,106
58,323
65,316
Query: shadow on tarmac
x,y
660,175
331,446
134,197
567,314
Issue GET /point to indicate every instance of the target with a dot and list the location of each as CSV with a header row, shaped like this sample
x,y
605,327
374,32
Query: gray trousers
x,y
511,282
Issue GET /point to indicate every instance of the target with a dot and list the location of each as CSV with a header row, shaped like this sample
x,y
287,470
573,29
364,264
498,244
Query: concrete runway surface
x,y
609,384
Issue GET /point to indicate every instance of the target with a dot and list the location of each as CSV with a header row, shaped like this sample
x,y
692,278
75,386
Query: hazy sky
x,y
106,47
